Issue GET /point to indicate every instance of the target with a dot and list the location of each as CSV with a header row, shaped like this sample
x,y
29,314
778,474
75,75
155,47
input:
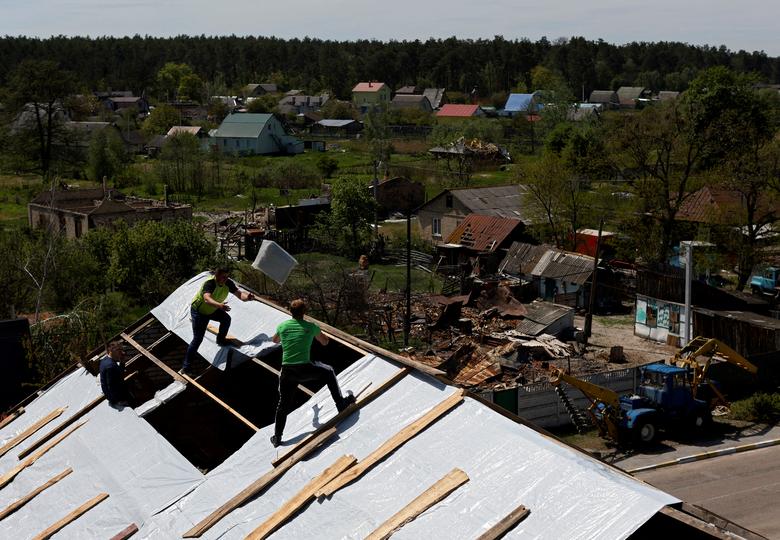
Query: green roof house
x,y
248,134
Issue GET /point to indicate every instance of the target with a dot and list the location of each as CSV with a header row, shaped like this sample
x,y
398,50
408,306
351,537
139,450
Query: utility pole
x,y
408,314
593,280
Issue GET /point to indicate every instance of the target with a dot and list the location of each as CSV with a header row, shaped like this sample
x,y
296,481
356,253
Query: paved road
x,y
666,451
744,488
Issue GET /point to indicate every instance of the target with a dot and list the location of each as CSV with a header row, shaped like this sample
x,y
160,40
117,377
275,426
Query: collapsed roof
x,y
152,484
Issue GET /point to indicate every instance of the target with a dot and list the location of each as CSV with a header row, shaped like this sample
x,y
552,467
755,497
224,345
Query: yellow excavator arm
x,y
687,357
608,420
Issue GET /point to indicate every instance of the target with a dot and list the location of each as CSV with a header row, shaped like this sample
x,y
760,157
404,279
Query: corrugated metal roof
x,y
539,317
368,87
434,95
458,110
194,130
498,201
483,233
630,92
547,262
520,103
335,123
604,96
243,125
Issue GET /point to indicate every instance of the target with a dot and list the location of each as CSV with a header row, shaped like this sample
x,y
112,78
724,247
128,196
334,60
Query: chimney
x,y
165,194
369,84
105,181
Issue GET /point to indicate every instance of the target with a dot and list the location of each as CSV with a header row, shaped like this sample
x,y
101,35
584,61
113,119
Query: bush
x,y
760,407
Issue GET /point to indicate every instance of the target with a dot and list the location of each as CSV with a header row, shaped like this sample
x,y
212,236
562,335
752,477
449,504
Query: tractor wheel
x,y
645,431
755,290
701,420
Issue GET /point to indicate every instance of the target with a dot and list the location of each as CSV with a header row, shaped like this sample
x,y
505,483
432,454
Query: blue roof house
x,y
522,104
248,134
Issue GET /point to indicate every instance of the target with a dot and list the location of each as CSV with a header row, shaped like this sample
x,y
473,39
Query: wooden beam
x,y
275,371
392,444
14,506
31,430
437,492
145,352
150,347
10,475
62,427
506,524
359,404
11,417
72,516
126,533
301,499
224,405
257,486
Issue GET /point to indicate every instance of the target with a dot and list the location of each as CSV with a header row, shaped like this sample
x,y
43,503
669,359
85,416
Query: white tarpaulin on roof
x,y
569,494
113,452
254,323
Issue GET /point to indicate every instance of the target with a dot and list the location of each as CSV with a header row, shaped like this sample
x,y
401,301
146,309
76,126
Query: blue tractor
x,y
664,400
766,283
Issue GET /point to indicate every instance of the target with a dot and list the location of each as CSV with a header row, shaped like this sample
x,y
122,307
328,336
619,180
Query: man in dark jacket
x,y
112,369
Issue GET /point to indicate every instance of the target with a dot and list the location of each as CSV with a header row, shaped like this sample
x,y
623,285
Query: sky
x,y
747,24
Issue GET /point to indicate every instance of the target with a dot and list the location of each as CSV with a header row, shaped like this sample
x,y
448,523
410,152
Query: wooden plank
x,y
301,499
506,524
71,517
10,475
359,404
275,371
145,352
392,444
185,379
62,427
126,533
31,430
437,492
14,506
258,485
150,347
11,417
227,407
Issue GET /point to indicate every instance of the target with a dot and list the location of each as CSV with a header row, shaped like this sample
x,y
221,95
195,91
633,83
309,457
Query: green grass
x,y
383,275
760,407
615,320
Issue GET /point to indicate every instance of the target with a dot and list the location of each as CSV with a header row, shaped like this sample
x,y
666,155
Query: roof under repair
x,y
151,484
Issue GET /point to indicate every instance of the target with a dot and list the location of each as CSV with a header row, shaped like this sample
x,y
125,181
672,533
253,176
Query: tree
x,y
181,164
160,120
170,77
106,155
35,97
338,110
191,87
263,104
348,225
327,166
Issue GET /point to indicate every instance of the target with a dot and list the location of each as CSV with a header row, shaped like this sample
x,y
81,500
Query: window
x,y
436,227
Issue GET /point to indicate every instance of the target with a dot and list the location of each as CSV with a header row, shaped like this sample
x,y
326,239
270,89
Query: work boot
x,y
222,342
187,371
276,441
345,402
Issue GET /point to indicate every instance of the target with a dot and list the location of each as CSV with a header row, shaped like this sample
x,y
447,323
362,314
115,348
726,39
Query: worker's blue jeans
x,y
200,323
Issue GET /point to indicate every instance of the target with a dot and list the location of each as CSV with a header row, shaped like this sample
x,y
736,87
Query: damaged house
x,y
191,457
558,276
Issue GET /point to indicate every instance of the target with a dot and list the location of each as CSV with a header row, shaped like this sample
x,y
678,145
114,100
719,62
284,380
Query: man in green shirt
x,y
296,337
210,304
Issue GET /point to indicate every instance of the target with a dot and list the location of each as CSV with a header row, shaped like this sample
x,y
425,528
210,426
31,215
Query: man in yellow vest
x,y
210,304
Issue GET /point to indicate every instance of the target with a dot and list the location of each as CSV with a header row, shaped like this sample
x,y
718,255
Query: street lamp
x,y
689,245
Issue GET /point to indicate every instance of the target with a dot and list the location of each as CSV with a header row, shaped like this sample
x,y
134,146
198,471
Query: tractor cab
x,y
668,389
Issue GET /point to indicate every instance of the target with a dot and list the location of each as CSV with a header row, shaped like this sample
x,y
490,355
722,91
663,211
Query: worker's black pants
x,y
294,374
200,323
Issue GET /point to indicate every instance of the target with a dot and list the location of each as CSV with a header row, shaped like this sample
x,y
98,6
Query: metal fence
x,y
538,403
